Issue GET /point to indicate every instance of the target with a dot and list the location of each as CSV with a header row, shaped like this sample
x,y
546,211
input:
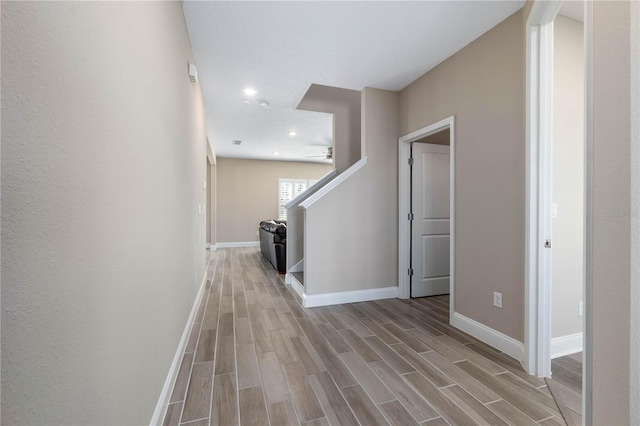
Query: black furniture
x,y
273,243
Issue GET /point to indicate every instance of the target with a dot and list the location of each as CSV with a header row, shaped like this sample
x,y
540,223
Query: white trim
x,y
502,342
334,183
213,247
566,345
165,395
309,301
320,183
404,202
539,133
239,244
296,285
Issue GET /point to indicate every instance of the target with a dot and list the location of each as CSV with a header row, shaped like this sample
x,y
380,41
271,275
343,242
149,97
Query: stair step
x,y
299,276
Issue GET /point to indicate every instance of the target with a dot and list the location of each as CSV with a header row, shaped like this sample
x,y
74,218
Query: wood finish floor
x,y
566,387
257,357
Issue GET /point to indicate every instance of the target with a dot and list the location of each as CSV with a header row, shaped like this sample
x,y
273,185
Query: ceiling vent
x,y
236,142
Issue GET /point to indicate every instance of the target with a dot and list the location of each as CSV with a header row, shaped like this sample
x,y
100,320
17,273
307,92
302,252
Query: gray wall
x,y
483,85
247,193
634,54
611,133
360,251
568,176
103,154
344,104
295,225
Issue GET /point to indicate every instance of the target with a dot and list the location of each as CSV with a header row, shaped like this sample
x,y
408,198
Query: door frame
x,y
539,145
404,206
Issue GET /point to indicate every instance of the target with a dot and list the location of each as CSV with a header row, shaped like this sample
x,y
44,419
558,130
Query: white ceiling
x,y
281,48
573,9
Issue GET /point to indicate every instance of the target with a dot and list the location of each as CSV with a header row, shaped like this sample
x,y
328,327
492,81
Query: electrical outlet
x,y
580,308
497,299
257,232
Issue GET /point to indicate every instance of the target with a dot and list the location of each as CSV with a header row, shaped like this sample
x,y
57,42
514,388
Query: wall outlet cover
x,y
497,299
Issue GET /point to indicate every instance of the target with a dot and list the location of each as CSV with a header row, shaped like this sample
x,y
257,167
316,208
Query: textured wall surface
x,y
247,193
634,18
103,159
483,86
610,212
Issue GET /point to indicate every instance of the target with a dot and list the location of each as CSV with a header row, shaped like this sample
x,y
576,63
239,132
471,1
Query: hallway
x,y
256,356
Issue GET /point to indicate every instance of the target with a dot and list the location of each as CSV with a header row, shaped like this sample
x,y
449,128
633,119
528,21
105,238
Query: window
x,y
288,190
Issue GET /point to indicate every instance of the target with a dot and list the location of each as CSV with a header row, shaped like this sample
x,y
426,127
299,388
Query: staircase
x,y
295,233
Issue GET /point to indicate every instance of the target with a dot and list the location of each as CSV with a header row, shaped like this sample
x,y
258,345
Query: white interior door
x,y
430,237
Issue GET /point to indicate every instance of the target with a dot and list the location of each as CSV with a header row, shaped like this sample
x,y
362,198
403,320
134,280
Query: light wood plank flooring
x,y
566,387
257,357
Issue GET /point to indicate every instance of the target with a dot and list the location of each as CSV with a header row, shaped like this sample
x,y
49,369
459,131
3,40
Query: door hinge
x,y
411,161
410,216
410,272
547,243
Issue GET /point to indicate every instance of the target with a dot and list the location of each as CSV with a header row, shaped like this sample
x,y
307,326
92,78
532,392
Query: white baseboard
x,y
212,247
169,383
296,285
566,345
239,244
309,301
502,342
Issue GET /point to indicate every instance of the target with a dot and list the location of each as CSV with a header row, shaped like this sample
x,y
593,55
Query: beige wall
x,y
361,249
213,191
103,153
568,176
483,86
609,211
344,104
634,49
247,193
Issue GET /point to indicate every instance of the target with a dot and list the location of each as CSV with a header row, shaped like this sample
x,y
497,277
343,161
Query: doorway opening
x,y
557,232
439,230
430,215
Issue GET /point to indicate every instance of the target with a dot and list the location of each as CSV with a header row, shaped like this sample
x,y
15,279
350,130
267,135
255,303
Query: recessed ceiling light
x,y
236,141
264,104
292,133
246,101
250,91
276,153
